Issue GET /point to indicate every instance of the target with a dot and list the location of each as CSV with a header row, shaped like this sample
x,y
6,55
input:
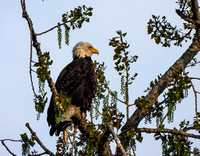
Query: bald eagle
x,y
78,80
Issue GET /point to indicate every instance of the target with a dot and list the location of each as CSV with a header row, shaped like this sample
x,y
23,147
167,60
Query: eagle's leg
x,y
66,133
82,115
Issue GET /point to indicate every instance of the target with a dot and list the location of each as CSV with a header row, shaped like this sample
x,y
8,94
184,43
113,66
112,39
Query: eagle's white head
x,y
83,49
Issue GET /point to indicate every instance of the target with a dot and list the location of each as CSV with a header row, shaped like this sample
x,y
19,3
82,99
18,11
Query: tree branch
x,y
81,121
195,99
36,44
186,18
118,142
195,10
177,132
49,30
3,143
110,92
162,84
38,140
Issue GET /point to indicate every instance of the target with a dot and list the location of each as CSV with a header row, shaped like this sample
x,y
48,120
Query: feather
x,y
79,81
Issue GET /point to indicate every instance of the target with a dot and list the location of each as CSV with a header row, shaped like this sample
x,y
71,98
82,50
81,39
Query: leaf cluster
x,y
185,7
153,83
42,73
101,87
61,147
26,144
88,144
130,138
164,33
62,101
121,57
73,19
177,91
173,144
42,66
141,103
110,113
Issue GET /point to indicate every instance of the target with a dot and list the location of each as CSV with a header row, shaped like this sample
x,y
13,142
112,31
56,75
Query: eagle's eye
x,y
90,47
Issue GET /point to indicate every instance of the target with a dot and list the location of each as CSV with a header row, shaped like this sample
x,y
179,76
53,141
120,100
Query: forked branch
x,y
47,151
36,44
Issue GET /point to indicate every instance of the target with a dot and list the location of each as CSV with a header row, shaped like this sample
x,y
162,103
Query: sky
x,y
131,16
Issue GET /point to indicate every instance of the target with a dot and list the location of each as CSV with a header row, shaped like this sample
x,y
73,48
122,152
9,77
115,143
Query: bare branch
x,y
110,92
195,98
38,140
36,44
48,30
152,130
3,143
118,142
194,78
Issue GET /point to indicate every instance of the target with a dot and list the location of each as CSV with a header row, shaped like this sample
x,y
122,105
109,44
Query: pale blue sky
x,y
130,16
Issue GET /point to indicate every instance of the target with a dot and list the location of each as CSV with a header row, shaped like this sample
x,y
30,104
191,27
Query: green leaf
x,y
157,39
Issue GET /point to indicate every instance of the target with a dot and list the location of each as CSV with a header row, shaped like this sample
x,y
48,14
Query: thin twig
x,y
177,132
194,78
118,142
49,30
2,141
30,64
163,118
111,93
195,99
37,154
38,140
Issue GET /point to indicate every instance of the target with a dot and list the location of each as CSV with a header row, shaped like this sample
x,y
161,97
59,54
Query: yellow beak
x,y
93,50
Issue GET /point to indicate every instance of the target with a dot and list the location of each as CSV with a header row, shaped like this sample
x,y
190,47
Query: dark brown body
x,y
79,81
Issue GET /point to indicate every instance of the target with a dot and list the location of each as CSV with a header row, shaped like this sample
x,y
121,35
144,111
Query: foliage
x,y
177,91
185,7
61,147
26,144
175,145
107,104
42,71
73,20
63,101
123,62
164,33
